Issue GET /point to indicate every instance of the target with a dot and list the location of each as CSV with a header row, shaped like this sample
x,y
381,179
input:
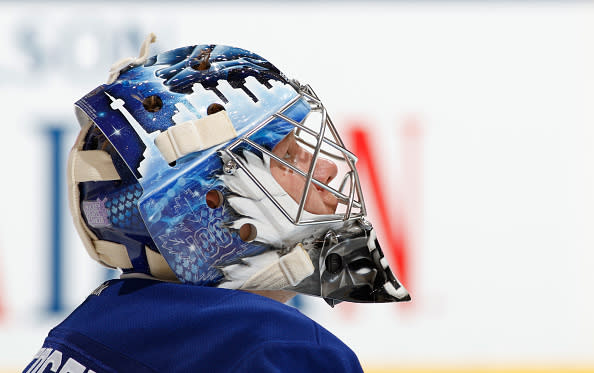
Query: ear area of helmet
x,y
92,165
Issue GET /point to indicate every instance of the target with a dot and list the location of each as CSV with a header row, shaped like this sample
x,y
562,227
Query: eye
x,y
290,159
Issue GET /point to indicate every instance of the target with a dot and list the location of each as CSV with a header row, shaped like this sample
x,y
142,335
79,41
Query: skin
x,y
282,296
319,200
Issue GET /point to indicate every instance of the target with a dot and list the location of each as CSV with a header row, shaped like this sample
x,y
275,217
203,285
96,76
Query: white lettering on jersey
x,y
48,357
39,358
73,366
55,359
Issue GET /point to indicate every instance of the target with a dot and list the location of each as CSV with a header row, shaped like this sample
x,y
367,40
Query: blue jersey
x,y
140,325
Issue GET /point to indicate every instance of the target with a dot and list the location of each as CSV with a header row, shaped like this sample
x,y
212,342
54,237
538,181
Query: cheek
x,y
303,161
289,181
318,202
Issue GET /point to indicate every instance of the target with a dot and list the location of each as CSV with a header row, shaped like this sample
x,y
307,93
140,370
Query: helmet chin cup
x,y
352,268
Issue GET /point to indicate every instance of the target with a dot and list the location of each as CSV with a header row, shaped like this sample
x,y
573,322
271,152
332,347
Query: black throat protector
x,y
352,268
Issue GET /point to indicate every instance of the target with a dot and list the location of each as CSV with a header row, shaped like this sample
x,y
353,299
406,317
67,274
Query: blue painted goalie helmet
x,y
206,165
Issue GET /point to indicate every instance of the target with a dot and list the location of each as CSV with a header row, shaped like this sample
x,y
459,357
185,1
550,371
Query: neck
x,y
282,296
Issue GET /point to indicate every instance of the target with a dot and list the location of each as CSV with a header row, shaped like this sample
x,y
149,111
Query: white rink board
x,y
502,248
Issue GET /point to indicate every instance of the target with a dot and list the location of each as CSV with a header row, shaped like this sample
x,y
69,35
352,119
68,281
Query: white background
x,y
499,201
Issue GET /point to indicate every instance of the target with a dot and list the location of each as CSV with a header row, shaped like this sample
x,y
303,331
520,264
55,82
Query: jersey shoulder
x,y
175,327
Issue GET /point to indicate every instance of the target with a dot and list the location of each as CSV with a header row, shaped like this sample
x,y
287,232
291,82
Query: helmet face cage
x,y
320,137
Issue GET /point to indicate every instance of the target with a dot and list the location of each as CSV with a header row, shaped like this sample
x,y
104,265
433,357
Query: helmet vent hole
x,y
214,108
248,232
201,66
214,199
201,62
152,103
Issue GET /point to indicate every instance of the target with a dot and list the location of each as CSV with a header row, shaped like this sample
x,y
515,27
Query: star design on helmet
x,y
116,131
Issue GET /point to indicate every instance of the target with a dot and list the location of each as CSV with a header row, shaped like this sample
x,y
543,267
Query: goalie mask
x,y
206,165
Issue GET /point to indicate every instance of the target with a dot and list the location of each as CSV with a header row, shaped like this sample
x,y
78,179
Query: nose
x,y
325,170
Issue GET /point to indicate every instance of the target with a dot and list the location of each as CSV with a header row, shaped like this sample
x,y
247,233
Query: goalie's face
x,y
319,200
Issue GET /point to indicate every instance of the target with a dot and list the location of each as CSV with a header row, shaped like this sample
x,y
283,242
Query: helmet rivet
x,y
230,167
365,223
